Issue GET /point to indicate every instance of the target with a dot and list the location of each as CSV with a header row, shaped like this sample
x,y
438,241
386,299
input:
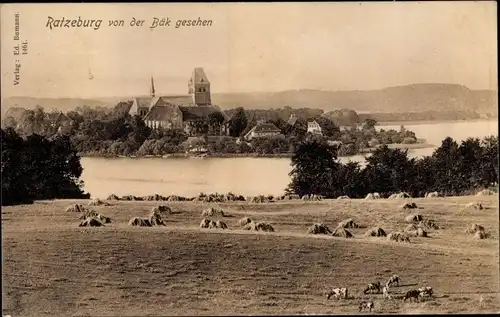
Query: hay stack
x,y
409,206
174,198
205,223
401,195
161,210
398,237
414,218
244,221
343,197
477,206
131,198
113,197
98,202
91,222
375,232
372,196
410,228
474,228
260,199
480,235
341,232
291,197
75,208
432,195
348,223
259,226
210,224
154,197
319,228
92,214
486,192
212,212
419,232
139,222
428,224
312,197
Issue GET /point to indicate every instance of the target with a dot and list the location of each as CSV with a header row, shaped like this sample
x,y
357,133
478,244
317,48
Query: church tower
x,y
199,88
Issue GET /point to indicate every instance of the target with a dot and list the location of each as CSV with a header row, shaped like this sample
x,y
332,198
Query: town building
x,y
193,113
314,127
263,130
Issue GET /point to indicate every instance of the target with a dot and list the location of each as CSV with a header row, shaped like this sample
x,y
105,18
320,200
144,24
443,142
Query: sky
x,y
250,47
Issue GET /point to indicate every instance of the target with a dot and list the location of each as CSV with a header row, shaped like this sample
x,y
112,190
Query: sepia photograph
x,y
292,158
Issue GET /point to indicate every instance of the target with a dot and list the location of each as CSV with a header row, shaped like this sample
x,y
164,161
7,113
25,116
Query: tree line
x,y
109,132
37,168
452,169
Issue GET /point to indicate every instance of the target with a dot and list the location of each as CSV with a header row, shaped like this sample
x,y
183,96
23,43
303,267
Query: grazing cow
x,y
425,291
392,280
337,293
385,292
366,305
413,294
372,287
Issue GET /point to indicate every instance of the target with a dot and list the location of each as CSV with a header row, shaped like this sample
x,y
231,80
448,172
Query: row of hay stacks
x,y
154,197
220,198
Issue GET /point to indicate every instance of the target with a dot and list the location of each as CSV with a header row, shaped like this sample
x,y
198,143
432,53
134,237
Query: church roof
x,y
180,100
142,101
199,76
157,113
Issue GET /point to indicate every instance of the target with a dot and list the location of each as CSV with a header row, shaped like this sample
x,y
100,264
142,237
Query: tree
x,y
38,168
328,128
369,124
238,122
313,171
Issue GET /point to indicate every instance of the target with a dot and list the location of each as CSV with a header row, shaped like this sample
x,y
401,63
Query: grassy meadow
x,y
52,267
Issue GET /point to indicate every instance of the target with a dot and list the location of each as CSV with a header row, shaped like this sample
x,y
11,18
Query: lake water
x,y
245,176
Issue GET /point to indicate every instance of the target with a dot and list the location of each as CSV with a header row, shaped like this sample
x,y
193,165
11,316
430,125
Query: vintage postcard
x,y
249,158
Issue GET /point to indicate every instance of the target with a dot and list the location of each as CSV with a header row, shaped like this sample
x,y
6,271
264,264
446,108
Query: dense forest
x,y
38,168
453,169
108,132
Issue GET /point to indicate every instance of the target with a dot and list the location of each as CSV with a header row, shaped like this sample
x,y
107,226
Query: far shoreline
x,y
423,122
413,146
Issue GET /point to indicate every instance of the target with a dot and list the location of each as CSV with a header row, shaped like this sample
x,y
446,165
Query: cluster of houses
x,y
189,112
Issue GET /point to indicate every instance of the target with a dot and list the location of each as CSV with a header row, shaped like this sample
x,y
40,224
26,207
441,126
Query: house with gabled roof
x,y
314,127
263,130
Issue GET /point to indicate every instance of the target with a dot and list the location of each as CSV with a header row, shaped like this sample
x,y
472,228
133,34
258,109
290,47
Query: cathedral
x,y
189,113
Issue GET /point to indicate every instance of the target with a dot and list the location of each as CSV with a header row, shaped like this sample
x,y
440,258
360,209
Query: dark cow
x,y
413,294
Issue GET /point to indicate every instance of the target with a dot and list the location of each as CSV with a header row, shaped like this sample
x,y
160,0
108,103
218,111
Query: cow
x,y
366,305
337,293
372,287
423,291
412,294
392,280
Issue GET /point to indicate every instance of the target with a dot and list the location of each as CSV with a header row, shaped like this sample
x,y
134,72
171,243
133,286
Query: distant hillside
x,y
411,98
